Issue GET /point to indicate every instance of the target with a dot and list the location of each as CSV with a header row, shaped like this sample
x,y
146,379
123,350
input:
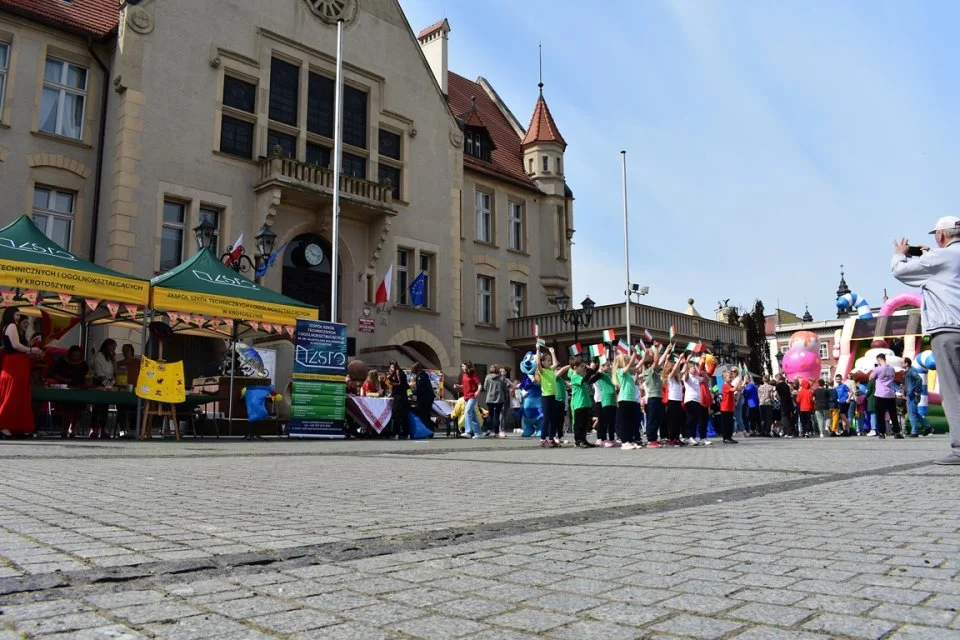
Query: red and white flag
x,y
64,298
383,290
92,304
113,307
131,309
237,248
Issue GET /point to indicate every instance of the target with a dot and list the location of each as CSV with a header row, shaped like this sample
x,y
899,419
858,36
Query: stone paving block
x,y
849,626
124,599
111,632
899,596
770,614
638,595
438,627
707,588
62,623
628,614
377,585
594,630
294,621
883,580
420,597
44,609
250,607
915,632
221,596
836,604
768,596
501,634
154,612
583,586
927,616
531,620
698,603
696,626
772,633
479,608
944,601
383,613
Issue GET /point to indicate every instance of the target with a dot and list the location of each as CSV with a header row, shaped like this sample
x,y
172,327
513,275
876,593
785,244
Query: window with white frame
x,y
4,57
403,276
212,215
53,214
484,217
518,298
515,222
824,350
64,96
426,268
484,300
171,236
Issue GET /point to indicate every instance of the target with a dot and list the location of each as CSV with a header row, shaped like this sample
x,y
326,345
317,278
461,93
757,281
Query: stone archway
x,y
418,335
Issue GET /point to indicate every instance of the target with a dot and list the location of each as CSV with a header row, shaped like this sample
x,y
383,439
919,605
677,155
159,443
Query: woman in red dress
x,y
16,407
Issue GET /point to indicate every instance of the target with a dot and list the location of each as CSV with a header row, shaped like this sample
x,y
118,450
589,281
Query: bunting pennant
x,y
609,335
113,307
198,320
65,298
215,323
228,323
623,347
92,304
575,350
30,296
172,317
647,335
131,309
278,329
253,324
290,329
8,297
673,331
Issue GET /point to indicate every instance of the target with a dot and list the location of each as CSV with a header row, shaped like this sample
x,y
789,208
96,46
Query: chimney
x,y
433,43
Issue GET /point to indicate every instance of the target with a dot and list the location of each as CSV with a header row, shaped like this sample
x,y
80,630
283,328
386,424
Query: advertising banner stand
x,y
319,397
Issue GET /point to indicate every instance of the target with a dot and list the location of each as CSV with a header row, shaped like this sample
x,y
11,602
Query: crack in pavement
x,y
340,551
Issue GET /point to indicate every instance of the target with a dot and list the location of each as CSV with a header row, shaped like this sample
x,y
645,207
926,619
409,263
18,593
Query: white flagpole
x,y
337,168
626,241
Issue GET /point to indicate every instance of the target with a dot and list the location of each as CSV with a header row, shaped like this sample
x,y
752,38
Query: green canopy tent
x,y
38,271
204,292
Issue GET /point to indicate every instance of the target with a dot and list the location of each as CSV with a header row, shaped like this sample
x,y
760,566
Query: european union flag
x,y
418,290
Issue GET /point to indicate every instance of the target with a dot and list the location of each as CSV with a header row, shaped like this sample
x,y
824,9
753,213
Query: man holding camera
x,y
937,272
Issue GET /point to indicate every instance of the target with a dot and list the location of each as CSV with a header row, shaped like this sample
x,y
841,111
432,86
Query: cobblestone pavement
x,y
481,540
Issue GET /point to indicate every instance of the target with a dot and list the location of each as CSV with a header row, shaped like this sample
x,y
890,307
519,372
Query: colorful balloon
x,y
899,301
806,341
853,301
709,364
801,363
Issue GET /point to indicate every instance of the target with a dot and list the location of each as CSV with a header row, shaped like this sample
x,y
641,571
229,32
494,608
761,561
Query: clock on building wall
x,y
313,254
332,11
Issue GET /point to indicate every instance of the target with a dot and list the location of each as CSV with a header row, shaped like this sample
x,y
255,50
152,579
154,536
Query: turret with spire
x,y
543,147
843,290
806,314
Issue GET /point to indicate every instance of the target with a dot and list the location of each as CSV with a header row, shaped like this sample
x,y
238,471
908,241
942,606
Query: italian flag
x,y
597,350
691,347
536,330
576,350
609,335
700,348
673,331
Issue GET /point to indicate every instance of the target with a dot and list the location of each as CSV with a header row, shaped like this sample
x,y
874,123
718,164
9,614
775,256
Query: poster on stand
x,y
319,395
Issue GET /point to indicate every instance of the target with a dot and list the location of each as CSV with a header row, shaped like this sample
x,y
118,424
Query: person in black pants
x,y
401,404
787,419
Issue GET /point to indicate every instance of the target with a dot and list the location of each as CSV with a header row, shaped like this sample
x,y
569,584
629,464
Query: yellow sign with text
x,y
85,284
225,307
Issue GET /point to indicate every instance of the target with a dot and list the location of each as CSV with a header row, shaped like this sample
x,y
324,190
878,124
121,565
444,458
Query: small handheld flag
x,y
699,348
623,347
691,347
647,335
536,330
597,350
602,359
576,349
541,342
609,335
673,331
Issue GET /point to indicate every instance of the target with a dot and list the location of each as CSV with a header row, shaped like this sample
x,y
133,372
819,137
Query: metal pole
x,y
337,167
233,369
143,354
626,240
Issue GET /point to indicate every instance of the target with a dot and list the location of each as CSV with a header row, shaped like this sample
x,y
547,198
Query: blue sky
x,y
767,142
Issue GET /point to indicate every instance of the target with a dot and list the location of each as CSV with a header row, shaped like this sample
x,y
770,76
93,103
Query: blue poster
x,y
319,380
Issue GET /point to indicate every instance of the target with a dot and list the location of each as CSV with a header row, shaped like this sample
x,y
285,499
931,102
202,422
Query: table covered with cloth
x,y
373,413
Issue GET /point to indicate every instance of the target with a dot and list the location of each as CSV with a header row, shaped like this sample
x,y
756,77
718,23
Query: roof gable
x,y
93,18
506,159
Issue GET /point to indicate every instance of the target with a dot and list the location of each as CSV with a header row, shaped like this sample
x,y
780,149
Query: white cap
x,y
946,223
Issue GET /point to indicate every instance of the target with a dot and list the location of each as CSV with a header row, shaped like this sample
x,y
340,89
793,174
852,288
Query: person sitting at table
x,y
103,368
70,370
371,387
16,407
128,371
423,391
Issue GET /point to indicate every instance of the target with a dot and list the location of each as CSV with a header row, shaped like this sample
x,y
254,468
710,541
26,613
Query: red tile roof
x,y
506,160
94,18
436,26
542,126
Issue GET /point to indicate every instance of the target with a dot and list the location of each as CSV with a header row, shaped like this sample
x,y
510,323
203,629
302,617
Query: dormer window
x,y
476,143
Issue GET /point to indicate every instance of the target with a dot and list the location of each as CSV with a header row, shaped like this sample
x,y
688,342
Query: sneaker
x,y
479,436
673,443
706,442
871,433
898,436
928,431
950,459
609,444
587,444
551,444
654,445
821,435
543,443
628,445
502,434
729,441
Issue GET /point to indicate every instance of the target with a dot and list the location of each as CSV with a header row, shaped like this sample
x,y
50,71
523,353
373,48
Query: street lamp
x,y
718,347
205,234
780,362
733,353
577,317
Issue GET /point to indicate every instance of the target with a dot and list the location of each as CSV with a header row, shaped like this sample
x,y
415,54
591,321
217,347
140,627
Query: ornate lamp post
x,y
206,236
576,317
734,352
717,348
779,362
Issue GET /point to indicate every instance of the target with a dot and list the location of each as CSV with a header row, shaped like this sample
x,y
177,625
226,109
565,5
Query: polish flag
x,y
237,248
609,335
383,290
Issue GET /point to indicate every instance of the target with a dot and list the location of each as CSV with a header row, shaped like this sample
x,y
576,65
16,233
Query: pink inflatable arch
x,y
900,301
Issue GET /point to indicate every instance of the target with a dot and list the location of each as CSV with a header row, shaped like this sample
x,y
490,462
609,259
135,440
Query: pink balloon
x,y
806,340
800,363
